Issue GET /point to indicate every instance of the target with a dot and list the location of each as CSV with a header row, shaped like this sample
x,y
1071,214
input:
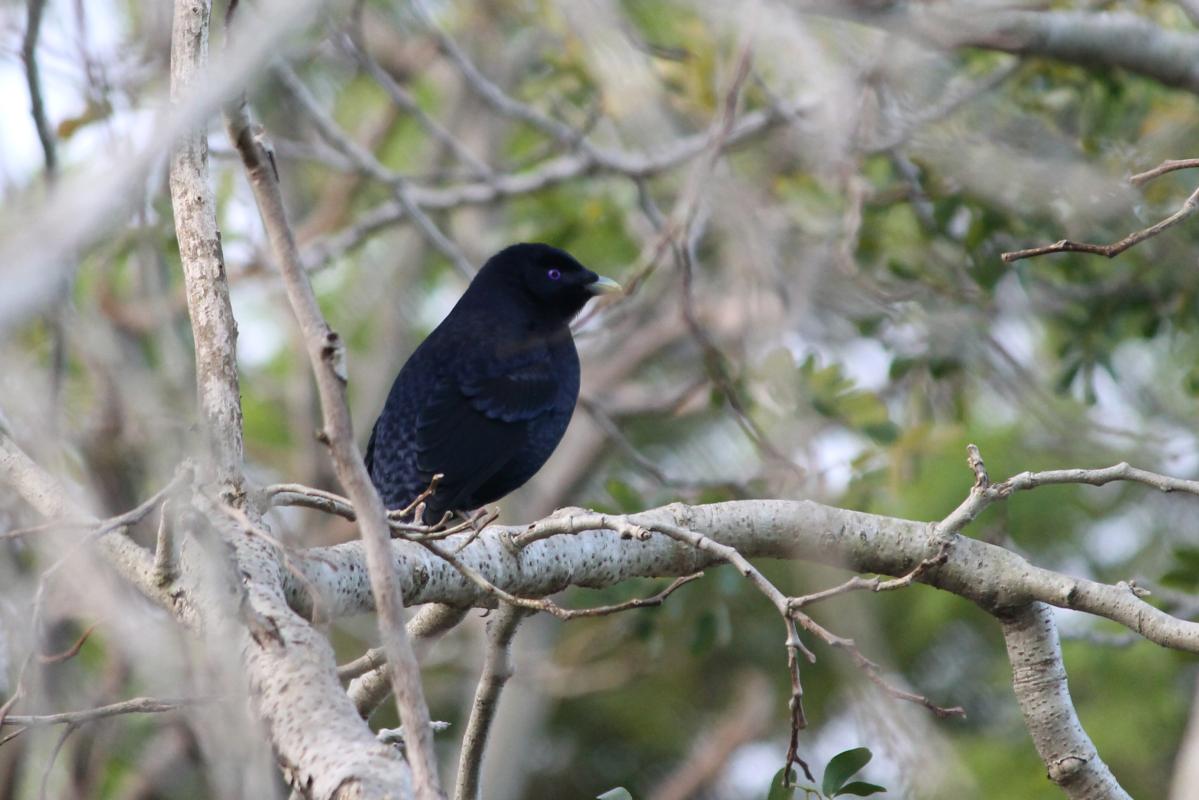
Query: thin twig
x,y
137,705
370,166
371,659
799,719
872,670
638,602
70,652
402,521
427,625
492,94
97,528
62,740
981,497
296,494
544,603
1188,208
37,107
1170,165
629,164
326,351
353,43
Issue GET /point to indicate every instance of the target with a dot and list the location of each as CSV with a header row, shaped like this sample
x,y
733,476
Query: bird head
x,y
551,279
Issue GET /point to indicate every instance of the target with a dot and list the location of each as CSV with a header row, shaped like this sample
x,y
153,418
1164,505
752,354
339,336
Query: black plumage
x,y
486,398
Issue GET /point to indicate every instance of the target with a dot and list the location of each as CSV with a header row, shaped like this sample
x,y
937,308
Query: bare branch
x,y
352,42
638,602
875,584
1188,208
326,352
365,161
555,171
45,134
70,652
371,659
43,491
203,259
137,705
371,685
1170,165
497,669
1039,682
1114,38
990,575
296,494
492,94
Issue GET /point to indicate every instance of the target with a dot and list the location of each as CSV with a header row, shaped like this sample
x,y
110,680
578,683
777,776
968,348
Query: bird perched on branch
x,y
486,398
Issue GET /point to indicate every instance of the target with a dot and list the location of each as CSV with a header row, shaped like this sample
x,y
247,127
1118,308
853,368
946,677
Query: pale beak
x,y
604,285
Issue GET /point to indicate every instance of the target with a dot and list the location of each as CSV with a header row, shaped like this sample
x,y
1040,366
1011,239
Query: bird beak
x,y
604,285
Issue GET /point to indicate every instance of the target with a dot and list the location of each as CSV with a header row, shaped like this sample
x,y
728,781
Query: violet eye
x,y
554,274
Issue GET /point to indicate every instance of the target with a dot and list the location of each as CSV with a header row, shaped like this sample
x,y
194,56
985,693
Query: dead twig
x,y
137,705
1170,165
70,652
326,351
1188,208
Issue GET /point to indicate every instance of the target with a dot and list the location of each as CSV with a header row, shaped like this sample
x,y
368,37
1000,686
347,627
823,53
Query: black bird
x,y
486,397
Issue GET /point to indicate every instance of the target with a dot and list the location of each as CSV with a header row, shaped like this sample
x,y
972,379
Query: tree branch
x,y
326,352
426,626
208,306
550,173
137,705
1188,208
1039,683
45,134
48,497
1113,38
990,575
497,669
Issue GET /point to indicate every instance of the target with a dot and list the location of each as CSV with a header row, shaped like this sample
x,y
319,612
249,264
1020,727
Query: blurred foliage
x,y
870,354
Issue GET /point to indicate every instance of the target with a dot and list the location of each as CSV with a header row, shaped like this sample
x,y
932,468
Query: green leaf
x,y
842,768
778,791
619,793
860,789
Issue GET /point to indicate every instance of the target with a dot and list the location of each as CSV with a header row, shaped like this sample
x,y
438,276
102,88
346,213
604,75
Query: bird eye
x,y
554,274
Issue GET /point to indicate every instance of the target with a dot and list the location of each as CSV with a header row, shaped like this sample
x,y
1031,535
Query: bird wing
x,y
477,419
369,457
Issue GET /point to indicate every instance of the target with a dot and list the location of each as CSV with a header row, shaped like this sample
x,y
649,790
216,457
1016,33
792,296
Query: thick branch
x,y
321,742
215,330
1039,683
1113,39
995,578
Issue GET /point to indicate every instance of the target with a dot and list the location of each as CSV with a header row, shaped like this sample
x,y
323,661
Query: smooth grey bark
x,y
995,578
1039,683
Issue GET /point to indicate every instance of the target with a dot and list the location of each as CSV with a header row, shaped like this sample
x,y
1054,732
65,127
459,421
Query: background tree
x,y
834,221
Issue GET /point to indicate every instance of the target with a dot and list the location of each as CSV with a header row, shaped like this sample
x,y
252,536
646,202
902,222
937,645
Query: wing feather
x,y
478,419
